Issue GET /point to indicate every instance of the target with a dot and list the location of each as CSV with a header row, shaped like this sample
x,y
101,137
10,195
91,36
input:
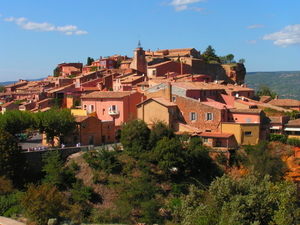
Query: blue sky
x,y
37,35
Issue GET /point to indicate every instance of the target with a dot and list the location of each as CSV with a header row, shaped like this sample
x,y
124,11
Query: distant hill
x,y
284,83
11,82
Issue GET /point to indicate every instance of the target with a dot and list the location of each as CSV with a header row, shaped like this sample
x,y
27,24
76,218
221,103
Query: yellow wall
x,y
239,132
78,112
294,136
152,111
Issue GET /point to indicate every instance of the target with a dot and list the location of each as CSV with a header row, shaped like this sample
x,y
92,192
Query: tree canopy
x,y
210,55
55,122
264,90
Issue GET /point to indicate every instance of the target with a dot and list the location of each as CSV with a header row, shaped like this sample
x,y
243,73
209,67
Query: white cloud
x,y
28,25
255,26
185,2
180,5
251,41
290,35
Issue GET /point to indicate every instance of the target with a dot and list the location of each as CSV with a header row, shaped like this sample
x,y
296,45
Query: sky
x,y
36,36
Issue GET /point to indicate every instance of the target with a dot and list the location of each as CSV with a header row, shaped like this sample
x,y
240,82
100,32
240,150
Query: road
x,y
35,141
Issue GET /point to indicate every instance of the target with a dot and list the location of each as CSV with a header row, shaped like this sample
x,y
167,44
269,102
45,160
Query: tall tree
x,y
134,136
12,163
89,61
158,131
16,121
210,55
230,57
55,122
264,90
242,61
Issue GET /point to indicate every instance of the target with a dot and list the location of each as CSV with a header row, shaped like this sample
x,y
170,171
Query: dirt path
x,y
8,221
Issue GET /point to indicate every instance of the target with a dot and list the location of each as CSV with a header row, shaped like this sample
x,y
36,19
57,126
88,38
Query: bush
x,y
294,142
278,137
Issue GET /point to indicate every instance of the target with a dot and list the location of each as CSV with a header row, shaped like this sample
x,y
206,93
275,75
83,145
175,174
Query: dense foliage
x,y
159,178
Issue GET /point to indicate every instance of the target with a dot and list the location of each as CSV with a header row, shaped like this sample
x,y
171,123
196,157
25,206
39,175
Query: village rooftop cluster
x,y
173,85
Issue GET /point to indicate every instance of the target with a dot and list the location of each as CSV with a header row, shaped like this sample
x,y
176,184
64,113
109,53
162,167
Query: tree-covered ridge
x,y
284,83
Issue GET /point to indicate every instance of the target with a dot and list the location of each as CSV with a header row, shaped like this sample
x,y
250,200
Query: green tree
x,y
242,61
16,121
56,72
230,57
43,202
12,162
2,88
89,61
134,136
199,163
242,200
263,160
264,90
159,130
168,154
53,167
55,122
210,55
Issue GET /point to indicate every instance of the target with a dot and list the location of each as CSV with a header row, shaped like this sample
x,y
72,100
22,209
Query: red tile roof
x,y
216,134
107,94
285,102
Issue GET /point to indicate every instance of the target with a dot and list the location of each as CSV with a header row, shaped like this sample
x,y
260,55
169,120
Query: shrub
x,y
277,137
293,142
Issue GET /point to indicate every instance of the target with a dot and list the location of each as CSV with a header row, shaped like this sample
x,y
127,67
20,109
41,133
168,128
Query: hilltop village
x,y
176,86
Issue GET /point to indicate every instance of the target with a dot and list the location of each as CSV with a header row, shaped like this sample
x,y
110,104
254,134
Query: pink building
x,y
111,105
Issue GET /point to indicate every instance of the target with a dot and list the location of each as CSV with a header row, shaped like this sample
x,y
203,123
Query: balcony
x,y
113,112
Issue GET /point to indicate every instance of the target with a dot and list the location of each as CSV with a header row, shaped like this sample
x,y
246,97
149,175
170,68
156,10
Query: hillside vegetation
x,y
158,178
284,83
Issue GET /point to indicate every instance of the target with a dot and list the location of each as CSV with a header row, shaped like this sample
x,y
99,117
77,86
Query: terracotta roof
x,y
164,101
294,122
216,134
191,128
285,102
107,94
254,111
245,102
7,103
265,99
271,119
79,119
216,104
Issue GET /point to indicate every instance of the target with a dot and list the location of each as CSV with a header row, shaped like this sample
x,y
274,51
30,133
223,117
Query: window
x,y
209,116
205,140
84,107
193,116
288,132
153,72
113,108
91,108
173,98
108,127
248,133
